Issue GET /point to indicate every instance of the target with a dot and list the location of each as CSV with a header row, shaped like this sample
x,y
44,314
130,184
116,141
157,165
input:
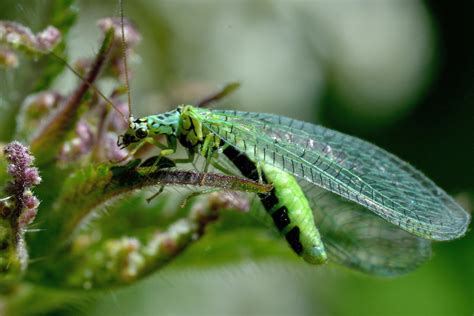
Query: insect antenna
x,y
91,85
124,58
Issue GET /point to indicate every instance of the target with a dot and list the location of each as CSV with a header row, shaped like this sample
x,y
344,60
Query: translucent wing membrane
x,y
357,238
361,240
349,167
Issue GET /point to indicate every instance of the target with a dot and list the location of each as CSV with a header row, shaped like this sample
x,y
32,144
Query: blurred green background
x,y
397,73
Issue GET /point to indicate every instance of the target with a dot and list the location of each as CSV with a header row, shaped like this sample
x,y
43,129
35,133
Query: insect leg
x,y
220,167
132,152
171,148
156,194
189,159
195,194
207,149
165,151
258,166
206,146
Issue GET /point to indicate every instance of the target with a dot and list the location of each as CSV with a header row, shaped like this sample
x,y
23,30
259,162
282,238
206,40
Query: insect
x,y
349,167
385,204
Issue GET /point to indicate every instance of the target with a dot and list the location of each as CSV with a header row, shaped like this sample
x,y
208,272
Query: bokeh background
x,y
397,73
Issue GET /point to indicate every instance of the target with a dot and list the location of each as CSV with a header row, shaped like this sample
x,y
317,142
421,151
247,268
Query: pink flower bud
x,y
31,177
30,200
49,38
27,217
25,176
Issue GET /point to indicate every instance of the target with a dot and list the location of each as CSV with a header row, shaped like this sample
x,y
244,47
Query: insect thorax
x,y
191,132
163,124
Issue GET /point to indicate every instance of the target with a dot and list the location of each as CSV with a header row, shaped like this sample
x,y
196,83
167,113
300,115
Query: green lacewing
x,y
349,167
339,177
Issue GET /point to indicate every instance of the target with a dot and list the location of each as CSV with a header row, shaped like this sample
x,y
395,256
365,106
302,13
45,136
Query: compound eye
x,y
126,140
141,133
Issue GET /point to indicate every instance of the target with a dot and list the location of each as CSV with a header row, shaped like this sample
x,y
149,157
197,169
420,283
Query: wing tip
x,y
458,230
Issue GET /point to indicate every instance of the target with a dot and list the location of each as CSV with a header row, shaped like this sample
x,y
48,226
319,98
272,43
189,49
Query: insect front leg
x,y
144,141
166,150
171,148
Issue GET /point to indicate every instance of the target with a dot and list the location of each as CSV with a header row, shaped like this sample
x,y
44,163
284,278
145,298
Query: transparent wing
x,y
356,237
361,240
347,166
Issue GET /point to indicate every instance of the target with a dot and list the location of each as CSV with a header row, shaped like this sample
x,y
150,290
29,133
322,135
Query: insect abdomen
x,y
287,205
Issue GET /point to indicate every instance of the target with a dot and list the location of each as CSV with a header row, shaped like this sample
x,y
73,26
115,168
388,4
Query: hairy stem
x,y
94,186
47,143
